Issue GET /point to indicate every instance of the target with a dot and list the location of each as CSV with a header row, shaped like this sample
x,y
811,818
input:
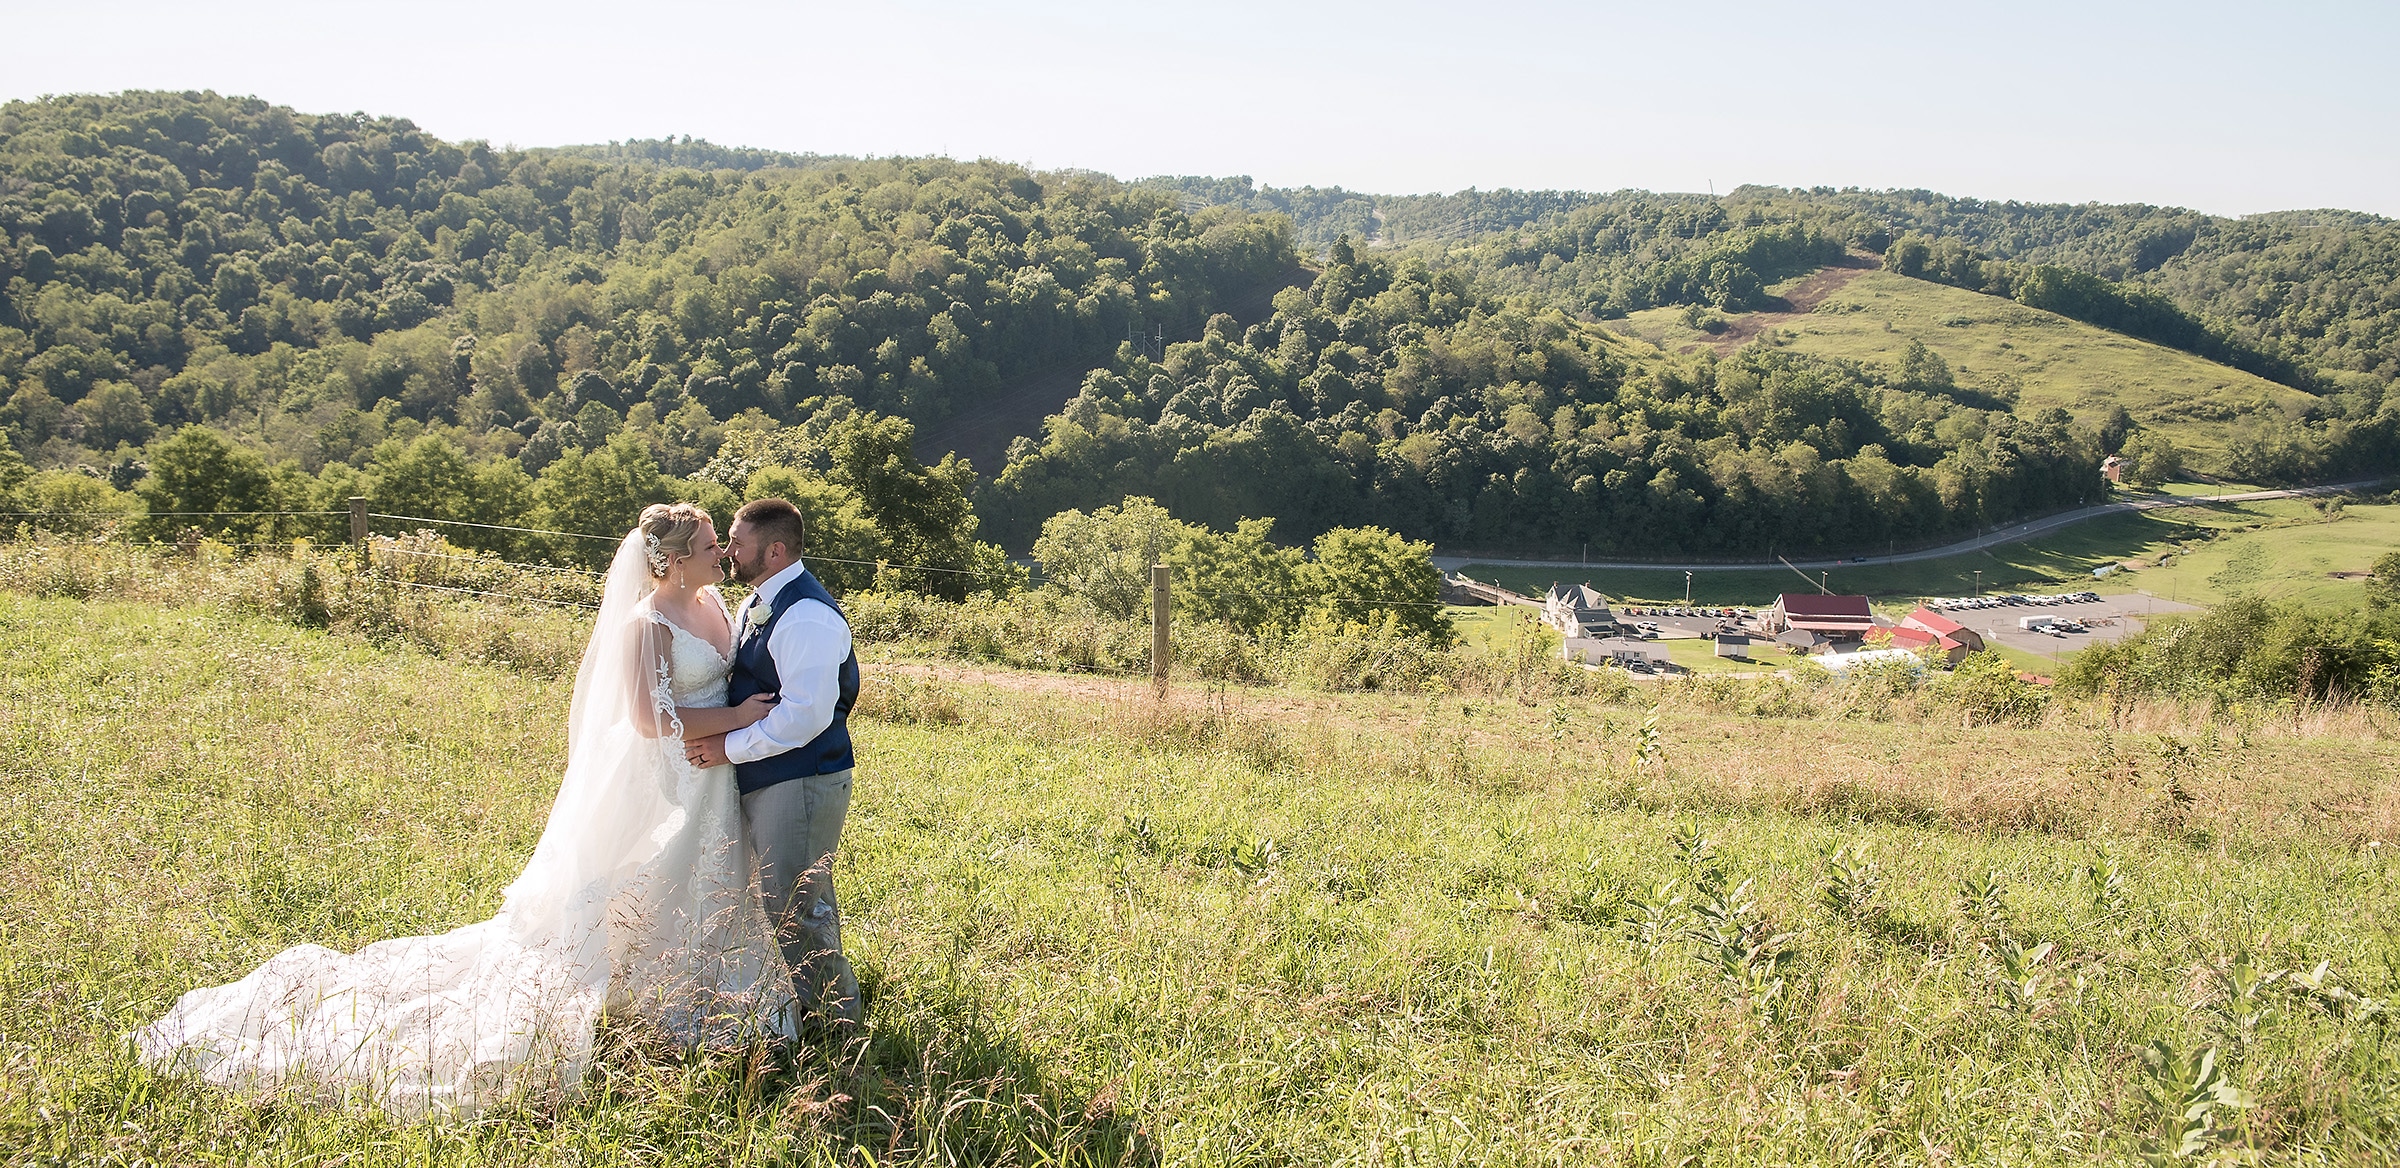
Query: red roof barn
x,y
1834,616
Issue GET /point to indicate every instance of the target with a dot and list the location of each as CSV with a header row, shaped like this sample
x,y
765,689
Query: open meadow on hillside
x,y
1260,926
2014,356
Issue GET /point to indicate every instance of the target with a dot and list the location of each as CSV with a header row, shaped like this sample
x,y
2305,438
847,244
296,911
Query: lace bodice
x,y
696,674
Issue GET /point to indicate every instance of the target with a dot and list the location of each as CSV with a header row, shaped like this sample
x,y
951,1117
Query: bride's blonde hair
x,y
668,529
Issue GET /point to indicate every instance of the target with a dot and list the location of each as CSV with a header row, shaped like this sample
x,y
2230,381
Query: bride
x,y
639,901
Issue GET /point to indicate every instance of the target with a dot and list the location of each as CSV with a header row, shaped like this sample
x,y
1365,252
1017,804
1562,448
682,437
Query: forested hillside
x,y
319,284
2307,294
1394,394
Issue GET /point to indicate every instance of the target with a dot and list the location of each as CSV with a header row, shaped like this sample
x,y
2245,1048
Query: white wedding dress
x,y
639,904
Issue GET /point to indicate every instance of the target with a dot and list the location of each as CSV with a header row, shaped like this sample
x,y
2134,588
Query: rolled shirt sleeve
x,y
809,645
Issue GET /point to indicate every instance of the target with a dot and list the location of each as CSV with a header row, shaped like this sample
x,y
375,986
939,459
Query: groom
x,y
790,639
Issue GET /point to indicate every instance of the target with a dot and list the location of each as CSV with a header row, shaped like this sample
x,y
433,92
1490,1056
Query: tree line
x,y
1391,392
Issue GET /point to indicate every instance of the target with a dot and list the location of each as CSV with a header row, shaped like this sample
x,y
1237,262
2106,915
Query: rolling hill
x,y
2001,352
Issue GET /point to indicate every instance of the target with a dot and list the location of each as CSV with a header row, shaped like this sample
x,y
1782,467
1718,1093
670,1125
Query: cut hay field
x,y
1257,927
2006,351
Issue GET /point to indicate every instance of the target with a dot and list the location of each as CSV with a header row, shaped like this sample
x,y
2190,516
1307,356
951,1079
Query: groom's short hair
x,y
774,521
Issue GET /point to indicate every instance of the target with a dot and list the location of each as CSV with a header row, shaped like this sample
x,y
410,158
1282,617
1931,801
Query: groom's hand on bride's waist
x,y
706,752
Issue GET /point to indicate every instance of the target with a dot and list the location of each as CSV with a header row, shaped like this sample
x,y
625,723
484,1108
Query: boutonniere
x,y
757,619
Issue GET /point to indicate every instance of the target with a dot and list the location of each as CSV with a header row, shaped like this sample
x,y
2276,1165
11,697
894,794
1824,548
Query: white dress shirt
x,y
808,645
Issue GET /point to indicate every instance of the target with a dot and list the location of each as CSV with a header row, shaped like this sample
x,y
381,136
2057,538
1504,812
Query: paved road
x,y
2007,535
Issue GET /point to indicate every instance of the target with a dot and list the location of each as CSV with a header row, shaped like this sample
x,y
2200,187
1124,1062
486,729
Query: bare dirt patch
x,y
1801,300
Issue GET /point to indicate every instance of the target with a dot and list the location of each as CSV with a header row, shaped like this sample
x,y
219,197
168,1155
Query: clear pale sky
x,y
2222,108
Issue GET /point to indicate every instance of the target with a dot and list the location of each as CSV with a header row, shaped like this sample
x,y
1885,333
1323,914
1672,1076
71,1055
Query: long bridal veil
x,y
637,900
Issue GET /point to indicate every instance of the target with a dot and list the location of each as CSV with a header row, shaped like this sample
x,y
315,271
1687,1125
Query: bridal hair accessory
x,y
658,555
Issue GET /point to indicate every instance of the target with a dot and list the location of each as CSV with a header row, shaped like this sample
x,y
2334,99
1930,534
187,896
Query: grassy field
x,y
1256,927
2009,352
2284,548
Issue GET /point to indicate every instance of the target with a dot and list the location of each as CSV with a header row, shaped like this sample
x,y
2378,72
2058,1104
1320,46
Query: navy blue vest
x,y
754,673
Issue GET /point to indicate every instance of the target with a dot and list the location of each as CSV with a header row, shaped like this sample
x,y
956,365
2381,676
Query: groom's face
x,y
748,555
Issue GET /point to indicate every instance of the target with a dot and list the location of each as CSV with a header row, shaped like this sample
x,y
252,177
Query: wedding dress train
x,y
639,902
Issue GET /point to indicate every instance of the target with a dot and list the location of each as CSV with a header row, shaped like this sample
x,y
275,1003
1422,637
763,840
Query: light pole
x,y
1687,589
1979,582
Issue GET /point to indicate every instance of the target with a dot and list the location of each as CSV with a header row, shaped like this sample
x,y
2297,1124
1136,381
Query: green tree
x,y
1367,575
1106,556
2115,427
31,415
197,479
1240,577
13,474
114,413
2383,584
1909,255
75,502
2150,458
595,493
922,511
431,478
1923,369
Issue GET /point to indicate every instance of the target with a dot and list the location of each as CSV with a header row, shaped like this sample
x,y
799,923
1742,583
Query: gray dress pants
x,y
794,827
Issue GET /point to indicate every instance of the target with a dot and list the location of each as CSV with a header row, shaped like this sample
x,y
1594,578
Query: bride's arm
x,y
650,689
702,721
649,683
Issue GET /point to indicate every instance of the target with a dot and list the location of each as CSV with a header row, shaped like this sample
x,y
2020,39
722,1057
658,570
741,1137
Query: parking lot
x,y
2106,619
1671,627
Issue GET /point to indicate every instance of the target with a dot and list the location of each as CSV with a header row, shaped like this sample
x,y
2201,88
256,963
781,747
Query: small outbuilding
x,y
1734,645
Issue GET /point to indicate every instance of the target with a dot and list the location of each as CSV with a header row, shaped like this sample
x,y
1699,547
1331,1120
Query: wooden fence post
x,y
1160,606
358,528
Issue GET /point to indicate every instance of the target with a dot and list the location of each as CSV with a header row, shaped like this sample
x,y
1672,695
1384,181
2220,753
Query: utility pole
x,y
1979,582
1160,606
1687,588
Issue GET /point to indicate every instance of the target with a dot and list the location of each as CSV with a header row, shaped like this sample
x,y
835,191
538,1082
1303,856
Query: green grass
x,y
1076,950
1491,628
2009,351
2295,557
1700,656
2285,548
